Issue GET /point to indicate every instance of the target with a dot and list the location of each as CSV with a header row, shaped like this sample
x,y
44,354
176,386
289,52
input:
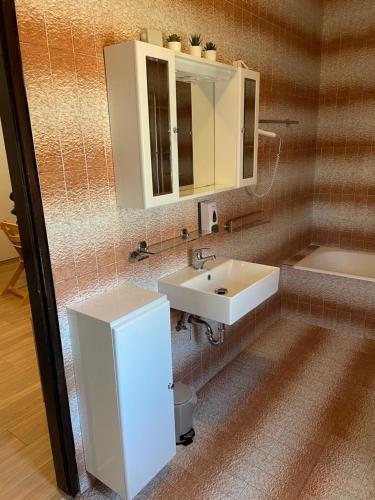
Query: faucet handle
x,y
199,251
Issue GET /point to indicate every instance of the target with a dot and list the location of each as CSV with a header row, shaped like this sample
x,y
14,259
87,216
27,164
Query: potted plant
x,y
174,42
195,45
210,51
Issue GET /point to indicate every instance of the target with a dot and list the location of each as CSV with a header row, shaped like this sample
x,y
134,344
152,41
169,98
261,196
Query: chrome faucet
x,y
198,259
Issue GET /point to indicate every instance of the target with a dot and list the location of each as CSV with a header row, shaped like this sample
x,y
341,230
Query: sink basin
x,y
224,291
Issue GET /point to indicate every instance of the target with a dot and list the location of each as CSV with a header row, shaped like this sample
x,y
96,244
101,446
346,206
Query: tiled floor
x,y
293,417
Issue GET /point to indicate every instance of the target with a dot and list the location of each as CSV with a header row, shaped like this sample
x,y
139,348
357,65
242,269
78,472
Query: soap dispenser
x,y
207,217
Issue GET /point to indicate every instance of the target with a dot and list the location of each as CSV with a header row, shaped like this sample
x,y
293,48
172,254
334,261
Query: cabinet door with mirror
x,y
142,103
248,82
196,136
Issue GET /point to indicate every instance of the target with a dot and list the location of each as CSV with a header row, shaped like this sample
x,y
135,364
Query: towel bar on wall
x,y
247,221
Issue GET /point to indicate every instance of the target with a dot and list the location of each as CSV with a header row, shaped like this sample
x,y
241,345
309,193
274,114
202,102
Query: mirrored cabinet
x,y
181,126
141,86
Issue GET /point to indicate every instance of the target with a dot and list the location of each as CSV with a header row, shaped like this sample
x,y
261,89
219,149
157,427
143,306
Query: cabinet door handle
x,y
175,130
170,385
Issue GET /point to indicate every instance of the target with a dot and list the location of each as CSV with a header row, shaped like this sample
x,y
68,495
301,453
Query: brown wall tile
x,y
345,153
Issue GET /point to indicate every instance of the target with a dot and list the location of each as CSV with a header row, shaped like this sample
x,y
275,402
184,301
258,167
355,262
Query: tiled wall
x,y
344,199
89,237
346,305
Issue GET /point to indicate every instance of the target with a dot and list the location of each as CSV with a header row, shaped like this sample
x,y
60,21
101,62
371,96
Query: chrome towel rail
x,y
286,122
246,221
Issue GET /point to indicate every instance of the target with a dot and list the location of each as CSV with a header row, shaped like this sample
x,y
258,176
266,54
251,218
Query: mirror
x,y
196,135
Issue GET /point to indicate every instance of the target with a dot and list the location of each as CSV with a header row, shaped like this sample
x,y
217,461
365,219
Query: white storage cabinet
x,y
144,109
123,368
141,86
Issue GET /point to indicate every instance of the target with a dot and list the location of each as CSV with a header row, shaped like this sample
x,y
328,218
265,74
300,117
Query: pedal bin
x,y
185,399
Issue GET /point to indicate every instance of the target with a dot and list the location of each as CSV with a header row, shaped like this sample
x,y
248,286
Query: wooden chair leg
x,y
9,287
25,299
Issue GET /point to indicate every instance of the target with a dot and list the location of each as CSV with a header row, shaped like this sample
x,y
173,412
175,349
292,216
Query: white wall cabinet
x,y
123,368
174,141
141,85
248,115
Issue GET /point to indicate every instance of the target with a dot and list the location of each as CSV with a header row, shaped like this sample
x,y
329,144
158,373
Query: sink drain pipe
x,y
195,320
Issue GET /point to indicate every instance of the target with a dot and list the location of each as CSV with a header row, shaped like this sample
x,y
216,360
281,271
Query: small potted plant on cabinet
x,y
210,51
195,45
174,42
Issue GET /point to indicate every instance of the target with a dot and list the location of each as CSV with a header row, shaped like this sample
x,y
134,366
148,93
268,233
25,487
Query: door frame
x,y
23,172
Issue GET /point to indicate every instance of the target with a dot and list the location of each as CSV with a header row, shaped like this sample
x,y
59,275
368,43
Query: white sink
x,y
194,291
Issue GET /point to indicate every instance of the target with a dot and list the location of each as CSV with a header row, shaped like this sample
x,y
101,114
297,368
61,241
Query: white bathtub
x,y
348,263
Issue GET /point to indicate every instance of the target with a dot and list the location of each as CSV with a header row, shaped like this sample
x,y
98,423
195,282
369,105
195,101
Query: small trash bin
x,y
184,402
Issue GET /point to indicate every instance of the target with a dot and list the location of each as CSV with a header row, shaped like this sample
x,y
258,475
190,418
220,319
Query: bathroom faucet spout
x,y
199,260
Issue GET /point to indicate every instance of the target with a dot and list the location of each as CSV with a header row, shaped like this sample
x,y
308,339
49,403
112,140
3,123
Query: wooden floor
x,y
26,468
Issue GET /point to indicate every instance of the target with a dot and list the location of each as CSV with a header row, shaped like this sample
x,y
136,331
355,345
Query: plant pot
x,y
210,55
176,46
195,50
